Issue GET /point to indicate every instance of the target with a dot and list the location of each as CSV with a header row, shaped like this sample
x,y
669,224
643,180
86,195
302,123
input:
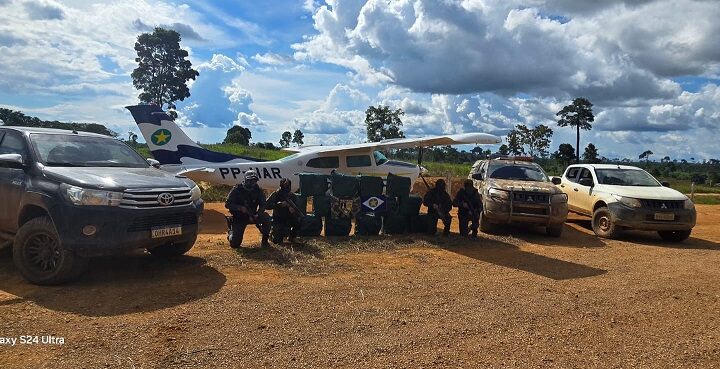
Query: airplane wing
x,y
407,143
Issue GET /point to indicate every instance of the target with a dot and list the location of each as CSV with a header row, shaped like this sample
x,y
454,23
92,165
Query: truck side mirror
x,y
586,182
477,176
12,161
556,180
154,163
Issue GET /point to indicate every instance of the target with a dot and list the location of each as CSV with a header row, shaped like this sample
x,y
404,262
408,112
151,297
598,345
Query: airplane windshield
x,y
379,158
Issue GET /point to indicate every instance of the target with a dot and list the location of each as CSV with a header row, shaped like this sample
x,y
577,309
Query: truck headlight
x,y
195,193
559,198
628,201
498,194
688,205
84,196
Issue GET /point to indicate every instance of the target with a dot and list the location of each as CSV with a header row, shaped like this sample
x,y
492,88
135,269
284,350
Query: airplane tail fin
x,y
169,144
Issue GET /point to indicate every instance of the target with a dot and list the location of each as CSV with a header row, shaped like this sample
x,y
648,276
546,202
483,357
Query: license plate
x,y
161,232
664,216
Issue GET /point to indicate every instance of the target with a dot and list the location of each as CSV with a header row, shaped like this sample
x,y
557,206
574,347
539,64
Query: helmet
x,y
251,175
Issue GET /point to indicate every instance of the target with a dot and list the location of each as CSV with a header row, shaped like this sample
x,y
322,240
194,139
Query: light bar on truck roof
x,y
513,158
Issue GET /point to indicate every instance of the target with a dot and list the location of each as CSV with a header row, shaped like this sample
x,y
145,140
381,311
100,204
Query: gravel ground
x,y
516,299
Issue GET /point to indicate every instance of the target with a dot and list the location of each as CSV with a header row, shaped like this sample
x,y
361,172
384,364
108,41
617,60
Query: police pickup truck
x,y
67,196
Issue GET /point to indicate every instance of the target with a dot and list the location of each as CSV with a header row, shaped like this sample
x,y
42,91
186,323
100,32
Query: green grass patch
x,y
684,186
707,200
443,169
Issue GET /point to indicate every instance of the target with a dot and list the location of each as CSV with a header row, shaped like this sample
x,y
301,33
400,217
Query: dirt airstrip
x,y
515,299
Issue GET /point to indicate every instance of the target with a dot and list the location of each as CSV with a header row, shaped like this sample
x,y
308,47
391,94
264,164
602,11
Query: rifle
x,y
475,212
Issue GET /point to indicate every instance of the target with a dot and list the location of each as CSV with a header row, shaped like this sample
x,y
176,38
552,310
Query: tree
x,y
238,135
565,153
579,115
666,159
163,70
537,139
383,123
591,154
503,150
298,137
285,139
645,155
17,118
514,143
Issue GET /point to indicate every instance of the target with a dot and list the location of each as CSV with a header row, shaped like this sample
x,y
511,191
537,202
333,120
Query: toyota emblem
x,y
166,199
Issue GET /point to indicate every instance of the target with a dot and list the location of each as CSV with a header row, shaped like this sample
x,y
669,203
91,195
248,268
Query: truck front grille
x,y
518,210
531,197
151,198
145,223
663,204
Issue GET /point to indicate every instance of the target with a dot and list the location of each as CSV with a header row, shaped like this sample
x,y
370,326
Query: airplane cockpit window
x,y
358,161
379,158
324,162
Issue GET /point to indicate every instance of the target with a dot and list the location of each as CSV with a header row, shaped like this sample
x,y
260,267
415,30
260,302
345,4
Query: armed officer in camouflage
x,y
469,205
286,213
246,203
439,205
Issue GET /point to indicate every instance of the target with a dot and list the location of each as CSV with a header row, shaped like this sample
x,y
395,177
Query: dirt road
x,y
517,299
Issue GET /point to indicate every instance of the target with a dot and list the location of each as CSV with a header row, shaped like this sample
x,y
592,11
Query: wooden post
x,y
692,191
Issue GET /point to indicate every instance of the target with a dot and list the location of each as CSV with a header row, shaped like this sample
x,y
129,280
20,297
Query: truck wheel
x,y
484,224
554,230
172,249
41,257
675,236
603,225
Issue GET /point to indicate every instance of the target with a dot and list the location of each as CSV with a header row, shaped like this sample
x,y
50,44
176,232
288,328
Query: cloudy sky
x,y
651,68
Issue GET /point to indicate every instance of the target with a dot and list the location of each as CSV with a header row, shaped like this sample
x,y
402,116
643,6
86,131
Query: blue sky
x,y
652,68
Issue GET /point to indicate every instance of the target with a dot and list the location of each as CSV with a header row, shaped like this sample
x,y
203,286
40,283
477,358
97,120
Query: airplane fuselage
x,y
271,172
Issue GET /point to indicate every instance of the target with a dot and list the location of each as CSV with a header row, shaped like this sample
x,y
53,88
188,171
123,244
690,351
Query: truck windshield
x,y
521,172
626,177
60,150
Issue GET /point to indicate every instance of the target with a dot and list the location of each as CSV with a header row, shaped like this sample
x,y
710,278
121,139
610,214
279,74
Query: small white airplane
x,y
178,154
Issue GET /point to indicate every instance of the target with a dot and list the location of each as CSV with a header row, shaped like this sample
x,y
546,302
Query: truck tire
x,y
41,257
554,230
675,236
484,224
172,249
603,225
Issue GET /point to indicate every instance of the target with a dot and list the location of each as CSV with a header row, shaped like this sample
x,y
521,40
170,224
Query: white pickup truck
x,y
621,197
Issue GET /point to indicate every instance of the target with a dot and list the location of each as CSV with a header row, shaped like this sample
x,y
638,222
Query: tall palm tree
x,y
579,115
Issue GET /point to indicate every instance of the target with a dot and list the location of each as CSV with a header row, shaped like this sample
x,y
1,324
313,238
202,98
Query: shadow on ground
x,y
650,238
121,285
511,256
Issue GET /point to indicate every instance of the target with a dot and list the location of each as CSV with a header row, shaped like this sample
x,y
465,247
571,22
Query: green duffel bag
x,y
343,185
410,205
395,224
371,186
368,225
397,186
337,227
311,226
392,205
321,206
313,184
420,223
302,203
